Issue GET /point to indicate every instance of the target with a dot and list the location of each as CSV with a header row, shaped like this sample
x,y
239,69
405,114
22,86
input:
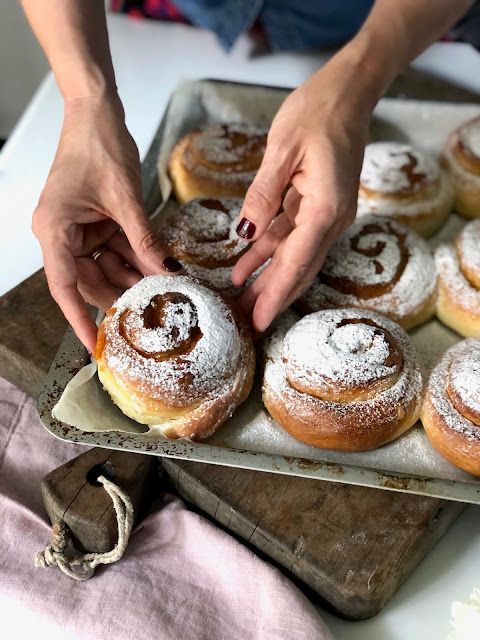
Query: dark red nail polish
x,y
246,229
170,264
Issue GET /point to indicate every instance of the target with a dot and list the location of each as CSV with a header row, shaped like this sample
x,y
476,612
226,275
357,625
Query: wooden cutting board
x,y
350,546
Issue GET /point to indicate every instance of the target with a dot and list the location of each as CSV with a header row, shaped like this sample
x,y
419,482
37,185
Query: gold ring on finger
x,y
97,253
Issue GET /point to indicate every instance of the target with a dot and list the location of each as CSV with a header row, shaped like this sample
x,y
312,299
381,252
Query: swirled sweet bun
x,y
381,265
201,234
458,267
173,353
400,182
461,156
451,411
343,379
215,162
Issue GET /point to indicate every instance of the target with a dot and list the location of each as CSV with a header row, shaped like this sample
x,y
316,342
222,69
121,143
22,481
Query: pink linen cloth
x,y
181,577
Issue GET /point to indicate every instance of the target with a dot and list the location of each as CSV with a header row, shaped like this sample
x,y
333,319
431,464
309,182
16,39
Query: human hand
x,y
316,145
93,199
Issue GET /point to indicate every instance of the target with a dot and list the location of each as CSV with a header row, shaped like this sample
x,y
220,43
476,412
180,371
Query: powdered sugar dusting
x,y
459,173
465,377
406,388
319,351
180,318
451,276
468,243
227,153
204,231
467,351
422,204
409,294
202,372
390,167
202,236
216,142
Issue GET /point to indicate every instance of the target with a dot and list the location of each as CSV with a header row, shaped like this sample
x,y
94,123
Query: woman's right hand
x,y
93,200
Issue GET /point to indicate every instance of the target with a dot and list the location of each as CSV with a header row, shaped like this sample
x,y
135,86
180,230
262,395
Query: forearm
x,y
74,36
395,32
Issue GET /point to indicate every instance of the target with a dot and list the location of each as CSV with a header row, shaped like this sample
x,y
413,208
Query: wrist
x,y
84,79
108,101
362,71
376,60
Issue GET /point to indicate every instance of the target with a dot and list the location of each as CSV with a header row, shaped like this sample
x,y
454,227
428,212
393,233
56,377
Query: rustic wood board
x,y
352,546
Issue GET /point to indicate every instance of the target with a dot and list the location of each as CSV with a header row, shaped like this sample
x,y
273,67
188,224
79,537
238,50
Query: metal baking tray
x,y
251,439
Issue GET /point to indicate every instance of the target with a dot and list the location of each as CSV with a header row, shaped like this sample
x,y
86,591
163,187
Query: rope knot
x,y
82,566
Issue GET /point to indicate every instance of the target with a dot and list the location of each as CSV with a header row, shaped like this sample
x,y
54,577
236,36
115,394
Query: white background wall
x,y
22,64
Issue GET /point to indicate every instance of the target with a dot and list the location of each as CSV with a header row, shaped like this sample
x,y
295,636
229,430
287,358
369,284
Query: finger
x,y
249,297
93,285
261,250
149,256
295,265
61,273
97,234
116,272
291,204
264,196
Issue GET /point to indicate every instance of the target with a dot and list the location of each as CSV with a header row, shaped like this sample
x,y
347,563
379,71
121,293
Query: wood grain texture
x,y
31,329
70,495
352,546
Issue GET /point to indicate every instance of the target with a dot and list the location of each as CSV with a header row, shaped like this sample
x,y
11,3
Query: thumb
x,y
264,196
151,256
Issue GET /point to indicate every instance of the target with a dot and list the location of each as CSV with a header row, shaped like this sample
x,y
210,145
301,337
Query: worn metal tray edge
x,y
72,355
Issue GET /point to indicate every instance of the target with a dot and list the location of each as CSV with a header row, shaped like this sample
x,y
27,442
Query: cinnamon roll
x,y
458,267
402,183
215,162
201,234
381,265
174,354
451,411
342,379
461,156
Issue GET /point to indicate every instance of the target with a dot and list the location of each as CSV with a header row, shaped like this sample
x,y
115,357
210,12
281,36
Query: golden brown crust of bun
x,y
216,162
400,182
450,420
373,403
377,264
458,268
463,163
176,355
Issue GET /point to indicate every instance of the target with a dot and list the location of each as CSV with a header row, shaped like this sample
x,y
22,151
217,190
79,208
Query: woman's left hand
x,y
315,145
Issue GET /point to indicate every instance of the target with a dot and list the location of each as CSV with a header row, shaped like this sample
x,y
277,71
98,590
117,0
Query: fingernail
x,y
246,229
170,264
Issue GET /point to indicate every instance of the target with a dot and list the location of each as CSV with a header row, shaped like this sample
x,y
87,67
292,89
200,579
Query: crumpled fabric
x,y
180,578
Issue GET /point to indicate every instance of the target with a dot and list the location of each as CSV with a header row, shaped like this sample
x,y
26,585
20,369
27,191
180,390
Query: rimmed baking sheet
x,y
251,439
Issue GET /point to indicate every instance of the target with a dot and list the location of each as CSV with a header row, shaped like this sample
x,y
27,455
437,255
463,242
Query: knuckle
x,y
257,199
148,241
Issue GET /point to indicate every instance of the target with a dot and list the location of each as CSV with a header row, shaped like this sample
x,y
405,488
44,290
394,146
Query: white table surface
x,y
150,59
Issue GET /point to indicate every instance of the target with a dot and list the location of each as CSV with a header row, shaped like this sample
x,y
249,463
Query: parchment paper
x,y
426,125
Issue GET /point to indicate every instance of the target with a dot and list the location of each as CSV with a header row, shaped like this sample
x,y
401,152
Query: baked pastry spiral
x,y
201,234
402,183
458,267
343,379
377,264
451,411
172,353
215,162
461,156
